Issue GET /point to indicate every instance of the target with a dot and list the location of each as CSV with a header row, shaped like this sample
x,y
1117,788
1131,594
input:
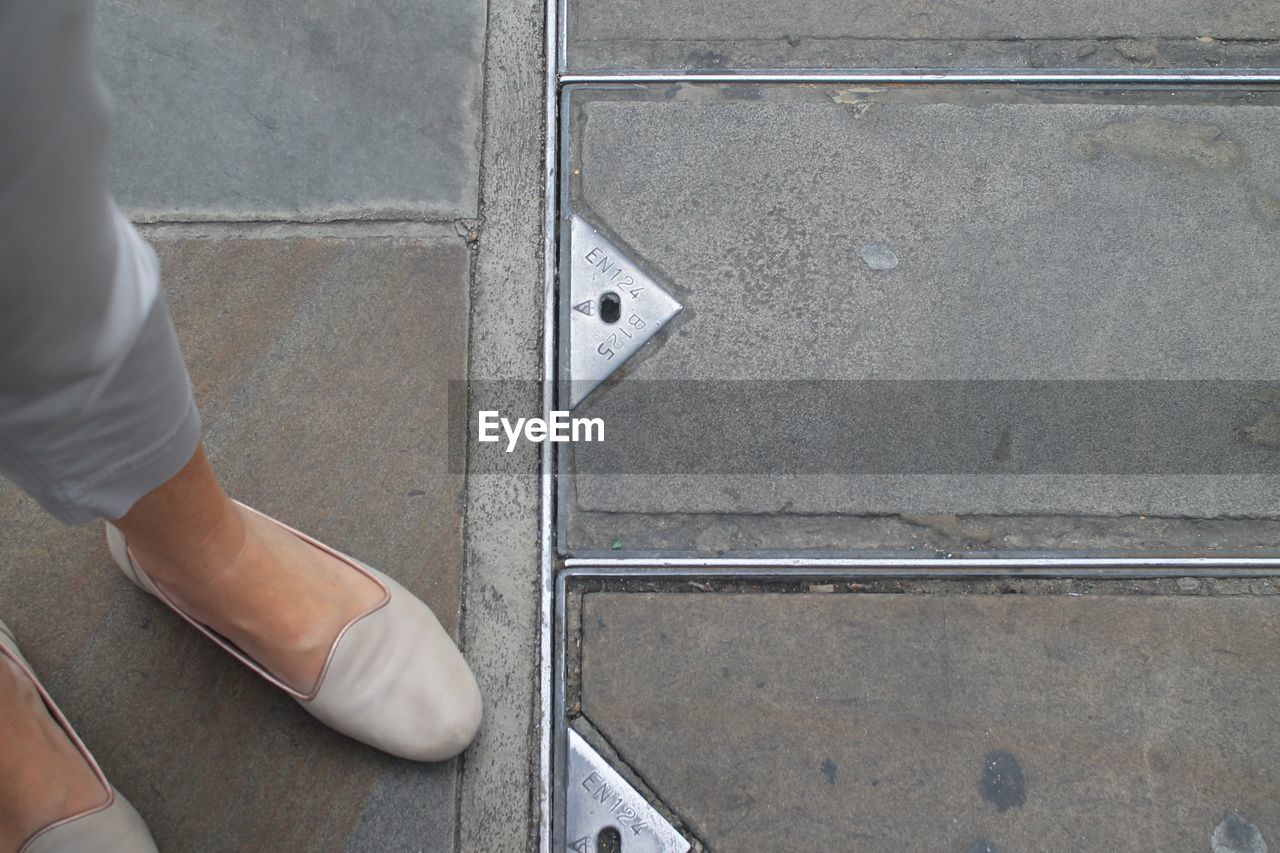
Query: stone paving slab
x,y
638,34
288,111
321,366
1034,235
944,722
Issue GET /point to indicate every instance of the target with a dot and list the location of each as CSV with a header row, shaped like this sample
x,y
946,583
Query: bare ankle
x,y
186,525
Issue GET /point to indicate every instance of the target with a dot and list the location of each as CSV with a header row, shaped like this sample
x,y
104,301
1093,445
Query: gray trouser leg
x,y
95,403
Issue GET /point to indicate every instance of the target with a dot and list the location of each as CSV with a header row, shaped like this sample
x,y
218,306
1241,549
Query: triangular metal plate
x,y
615,308
598,798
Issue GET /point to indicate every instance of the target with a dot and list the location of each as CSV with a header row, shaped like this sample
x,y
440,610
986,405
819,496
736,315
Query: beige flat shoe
x,y
112,827
394,678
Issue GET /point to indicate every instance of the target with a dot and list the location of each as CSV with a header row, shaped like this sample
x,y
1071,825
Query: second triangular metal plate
x,y
614,308
599,799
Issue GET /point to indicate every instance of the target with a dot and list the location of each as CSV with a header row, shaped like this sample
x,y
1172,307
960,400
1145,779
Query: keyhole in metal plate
x,y
609,840
610,307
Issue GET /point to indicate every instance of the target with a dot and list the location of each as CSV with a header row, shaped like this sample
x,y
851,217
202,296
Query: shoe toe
x,y
115,829
396,681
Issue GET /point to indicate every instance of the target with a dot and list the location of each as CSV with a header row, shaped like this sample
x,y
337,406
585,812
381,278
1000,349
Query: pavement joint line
x,y
465,591
466,229
501,594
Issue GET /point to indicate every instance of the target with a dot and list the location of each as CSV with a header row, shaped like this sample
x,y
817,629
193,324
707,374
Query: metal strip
x,y
560,530
546,570
778,574
1180,76
1065,566
561,735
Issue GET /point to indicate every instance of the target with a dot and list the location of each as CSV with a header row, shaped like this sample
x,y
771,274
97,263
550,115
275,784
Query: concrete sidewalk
x,y
347,204
319,181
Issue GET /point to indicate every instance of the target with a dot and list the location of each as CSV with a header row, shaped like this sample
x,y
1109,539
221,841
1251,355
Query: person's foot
x,y
356,649
43,776
279,599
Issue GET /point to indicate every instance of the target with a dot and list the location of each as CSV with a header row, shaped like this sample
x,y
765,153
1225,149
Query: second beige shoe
x,y
394,678
112,827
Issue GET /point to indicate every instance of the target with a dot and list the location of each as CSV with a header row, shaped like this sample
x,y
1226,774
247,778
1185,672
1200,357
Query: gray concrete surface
x,y
289,343
498,788
290,154
913,534
770,722
289,111
1038,235
637,34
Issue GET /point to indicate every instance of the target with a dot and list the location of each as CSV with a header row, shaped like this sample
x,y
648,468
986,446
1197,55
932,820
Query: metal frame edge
x,y
1172,76
1027,566
546,573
